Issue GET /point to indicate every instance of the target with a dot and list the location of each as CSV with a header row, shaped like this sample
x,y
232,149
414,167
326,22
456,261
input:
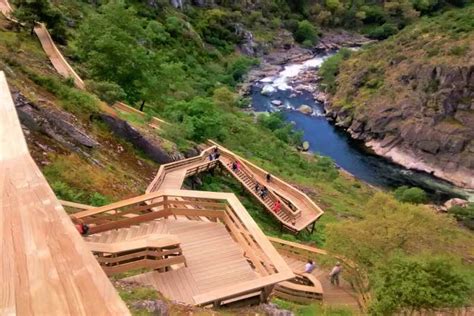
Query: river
x,y
326,139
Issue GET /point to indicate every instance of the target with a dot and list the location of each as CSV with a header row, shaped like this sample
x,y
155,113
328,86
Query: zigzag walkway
x,y
297,210
64,68
45,267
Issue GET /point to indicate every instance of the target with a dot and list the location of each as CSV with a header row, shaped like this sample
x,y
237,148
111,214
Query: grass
x,y
311,309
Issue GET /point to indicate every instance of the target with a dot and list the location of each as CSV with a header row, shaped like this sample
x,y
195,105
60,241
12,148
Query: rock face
x,y
430,127
122,129
59,125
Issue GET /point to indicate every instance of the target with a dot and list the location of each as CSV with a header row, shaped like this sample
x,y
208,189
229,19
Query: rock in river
x,y
305,109
268,89
277,102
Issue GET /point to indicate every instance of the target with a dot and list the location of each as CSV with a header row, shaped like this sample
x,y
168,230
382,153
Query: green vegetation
x,y
465,215
372,77
388,230
29,12
419,284
312,309
306,34
330,69
410,195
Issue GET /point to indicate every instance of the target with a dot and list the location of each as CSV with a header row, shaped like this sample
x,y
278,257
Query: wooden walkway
x,y
302,214
213,258
342,295
45,267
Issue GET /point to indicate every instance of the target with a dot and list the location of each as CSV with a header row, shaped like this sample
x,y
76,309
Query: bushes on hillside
x,y
410,195
306,34
330,69
109,92
383,31
417,284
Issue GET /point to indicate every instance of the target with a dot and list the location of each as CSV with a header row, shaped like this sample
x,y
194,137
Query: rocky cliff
x,y
410,98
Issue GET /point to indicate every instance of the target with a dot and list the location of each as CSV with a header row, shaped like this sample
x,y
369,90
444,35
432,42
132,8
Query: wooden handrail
x,y
149,241
286,187
154,251
281,243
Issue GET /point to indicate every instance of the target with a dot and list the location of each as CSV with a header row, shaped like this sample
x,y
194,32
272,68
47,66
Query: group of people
x,y
215,154
261,190
333,275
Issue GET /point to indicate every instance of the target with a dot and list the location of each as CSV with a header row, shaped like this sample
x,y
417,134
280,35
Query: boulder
x,y
268,89
305,146
277,102
456,202
305,109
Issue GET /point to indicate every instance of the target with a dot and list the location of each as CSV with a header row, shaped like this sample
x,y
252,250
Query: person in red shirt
x,y
277,207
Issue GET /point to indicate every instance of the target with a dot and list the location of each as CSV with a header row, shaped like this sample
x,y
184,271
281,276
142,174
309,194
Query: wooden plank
x,y
45,267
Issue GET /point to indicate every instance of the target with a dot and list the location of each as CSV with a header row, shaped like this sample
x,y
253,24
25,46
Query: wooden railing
x,y
304,289
154,121
272,196
296,250
292,195
217,207
164,169
152,252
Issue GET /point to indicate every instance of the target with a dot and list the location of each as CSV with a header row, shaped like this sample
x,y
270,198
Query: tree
x,y
120,47
417,284
388,227
29,12
306,33
199,117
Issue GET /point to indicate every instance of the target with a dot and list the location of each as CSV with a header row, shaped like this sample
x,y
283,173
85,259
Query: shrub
x,y
109,92
330,69
410,195
418,284
464,214
306,32
383,31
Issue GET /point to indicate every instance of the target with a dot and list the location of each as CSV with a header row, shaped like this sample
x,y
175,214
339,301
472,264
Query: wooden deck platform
x,y
213,259
45,267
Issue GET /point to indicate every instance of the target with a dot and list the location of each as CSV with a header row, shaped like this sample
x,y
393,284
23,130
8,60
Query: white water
x,y
284,79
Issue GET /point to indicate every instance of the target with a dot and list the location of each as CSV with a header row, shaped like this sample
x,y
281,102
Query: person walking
x,y
277,207
309,266
257,187
268,177
334,275
237,165
263,192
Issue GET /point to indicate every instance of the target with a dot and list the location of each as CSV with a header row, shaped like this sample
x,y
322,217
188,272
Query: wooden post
x,y
266,291
312,228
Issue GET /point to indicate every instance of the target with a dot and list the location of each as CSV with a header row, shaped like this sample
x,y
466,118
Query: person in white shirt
x,y
335,274
309,266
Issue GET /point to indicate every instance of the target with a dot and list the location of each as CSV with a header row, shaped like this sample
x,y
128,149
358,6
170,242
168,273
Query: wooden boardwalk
x,y
342,295
301,215
213,258
45,267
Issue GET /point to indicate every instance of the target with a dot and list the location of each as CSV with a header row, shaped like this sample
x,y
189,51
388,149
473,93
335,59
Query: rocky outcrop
x,y
122,129
59,125
429,126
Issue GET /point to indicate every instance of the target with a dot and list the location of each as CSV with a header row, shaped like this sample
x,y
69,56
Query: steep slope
x,y
410,97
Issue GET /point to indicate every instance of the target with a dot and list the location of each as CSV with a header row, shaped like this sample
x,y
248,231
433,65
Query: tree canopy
x,y
388,227
418,284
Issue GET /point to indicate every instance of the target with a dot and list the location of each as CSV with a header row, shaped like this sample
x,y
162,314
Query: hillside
x,y
183,61
410,97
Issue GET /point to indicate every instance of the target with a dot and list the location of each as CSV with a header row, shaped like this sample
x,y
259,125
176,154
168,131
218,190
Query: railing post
x,y
165,204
